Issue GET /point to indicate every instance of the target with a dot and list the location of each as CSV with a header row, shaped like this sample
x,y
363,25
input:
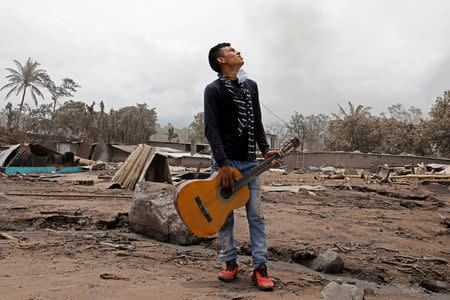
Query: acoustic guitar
x,y
203,205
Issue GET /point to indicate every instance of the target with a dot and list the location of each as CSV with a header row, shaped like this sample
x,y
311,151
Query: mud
x,y
393,238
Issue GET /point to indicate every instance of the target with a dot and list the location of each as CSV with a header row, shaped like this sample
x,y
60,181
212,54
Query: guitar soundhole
x,y
226,193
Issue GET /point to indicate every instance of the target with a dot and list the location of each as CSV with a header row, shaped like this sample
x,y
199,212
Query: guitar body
x,y
202,206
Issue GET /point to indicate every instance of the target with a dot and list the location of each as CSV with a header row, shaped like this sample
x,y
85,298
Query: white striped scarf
x,y
243,100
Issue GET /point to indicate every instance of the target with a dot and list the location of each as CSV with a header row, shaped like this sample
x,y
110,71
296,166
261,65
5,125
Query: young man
x,y
232,126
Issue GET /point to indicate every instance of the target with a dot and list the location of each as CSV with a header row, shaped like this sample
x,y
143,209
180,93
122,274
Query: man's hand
x,y
276,162
226,177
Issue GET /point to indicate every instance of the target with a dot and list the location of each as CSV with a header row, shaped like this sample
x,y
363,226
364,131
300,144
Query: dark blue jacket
x,y
221,119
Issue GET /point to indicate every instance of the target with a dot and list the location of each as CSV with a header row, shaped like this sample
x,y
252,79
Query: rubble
x,y
143,164
292,188
4,198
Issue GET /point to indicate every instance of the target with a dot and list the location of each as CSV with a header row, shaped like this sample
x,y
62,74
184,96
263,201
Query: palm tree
x,y
359,111
27,76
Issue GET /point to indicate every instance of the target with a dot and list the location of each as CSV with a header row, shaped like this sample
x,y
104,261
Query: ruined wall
x,y
353,160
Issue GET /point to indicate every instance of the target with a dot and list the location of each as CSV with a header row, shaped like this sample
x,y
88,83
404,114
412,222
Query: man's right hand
x,y
226,177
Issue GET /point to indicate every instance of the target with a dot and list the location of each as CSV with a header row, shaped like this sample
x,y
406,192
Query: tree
x,y
171,134
132,124
26,77
37,120
310,129
70,119
412,115
65,89
439,125
10,114
354,131
359,111
396,137
197,129
279,129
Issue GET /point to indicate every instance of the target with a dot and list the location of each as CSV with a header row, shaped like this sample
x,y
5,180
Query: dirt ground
x,y
393,238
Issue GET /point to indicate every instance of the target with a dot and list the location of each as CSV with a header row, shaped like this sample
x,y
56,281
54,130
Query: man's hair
x,y
214,53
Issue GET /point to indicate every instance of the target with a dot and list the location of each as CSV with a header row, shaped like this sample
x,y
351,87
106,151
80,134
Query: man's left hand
x,y
276,162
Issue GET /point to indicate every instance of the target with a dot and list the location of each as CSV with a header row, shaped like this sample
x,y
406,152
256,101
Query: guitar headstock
x,y
289,145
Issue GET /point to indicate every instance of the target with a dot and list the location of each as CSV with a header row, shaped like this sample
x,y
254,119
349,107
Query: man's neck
x,y
230,73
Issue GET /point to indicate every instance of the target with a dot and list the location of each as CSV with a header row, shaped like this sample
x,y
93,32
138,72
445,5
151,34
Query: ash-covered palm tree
x,y
25,77
359,111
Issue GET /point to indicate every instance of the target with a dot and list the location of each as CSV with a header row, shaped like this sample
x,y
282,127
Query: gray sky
x,y
307,56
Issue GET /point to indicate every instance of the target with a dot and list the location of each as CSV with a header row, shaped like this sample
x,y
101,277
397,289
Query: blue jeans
x,y
255,219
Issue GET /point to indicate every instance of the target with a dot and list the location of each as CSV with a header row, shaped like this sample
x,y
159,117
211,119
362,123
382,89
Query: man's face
x,y
231,57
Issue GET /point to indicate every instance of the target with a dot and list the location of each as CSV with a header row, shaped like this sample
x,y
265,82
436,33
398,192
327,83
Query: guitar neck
x,y
258,170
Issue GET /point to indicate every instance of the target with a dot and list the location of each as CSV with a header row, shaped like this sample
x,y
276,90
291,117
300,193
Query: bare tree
x,y
65,89
439,125
197,129
171,134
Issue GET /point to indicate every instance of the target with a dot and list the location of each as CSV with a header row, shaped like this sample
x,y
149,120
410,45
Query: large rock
x,y
328,262
344,291
153,214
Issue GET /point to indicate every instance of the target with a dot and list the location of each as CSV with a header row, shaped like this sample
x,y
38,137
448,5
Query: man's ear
x,y
221,60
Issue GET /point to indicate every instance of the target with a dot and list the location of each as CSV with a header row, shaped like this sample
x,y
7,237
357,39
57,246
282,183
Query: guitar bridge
x,y
203,209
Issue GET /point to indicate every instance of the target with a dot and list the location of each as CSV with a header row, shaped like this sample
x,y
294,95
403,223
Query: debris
x,y
420,176
104,176
113,276
277,170
4,198
117,246
434,285
336,176
86,182
350,171
6,236
36,170
83,161
342,291
143,163
114,186
327,169
292,188
436,168
99,165
328,262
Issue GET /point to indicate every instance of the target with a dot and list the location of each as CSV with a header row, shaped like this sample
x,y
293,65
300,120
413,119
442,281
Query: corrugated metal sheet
x,y
29,156
126,148
85,148
5,154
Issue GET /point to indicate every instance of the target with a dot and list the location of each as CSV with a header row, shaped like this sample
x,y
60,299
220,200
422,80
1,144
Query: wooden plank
x,y
130,165
119,176
147,164
128,183
140,167
419,176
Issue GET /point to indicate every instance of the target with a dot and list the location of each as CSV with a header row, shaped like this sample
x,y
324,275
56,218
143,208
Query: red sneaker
x,y
261,279
230,272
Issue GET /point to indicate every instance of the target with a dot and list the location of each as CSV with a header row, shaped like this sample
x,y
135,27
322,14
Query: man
x,y
232,126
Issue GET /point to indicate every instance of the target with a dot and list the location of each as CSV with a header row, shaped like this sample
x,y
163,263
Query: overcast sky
x,y
306,56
